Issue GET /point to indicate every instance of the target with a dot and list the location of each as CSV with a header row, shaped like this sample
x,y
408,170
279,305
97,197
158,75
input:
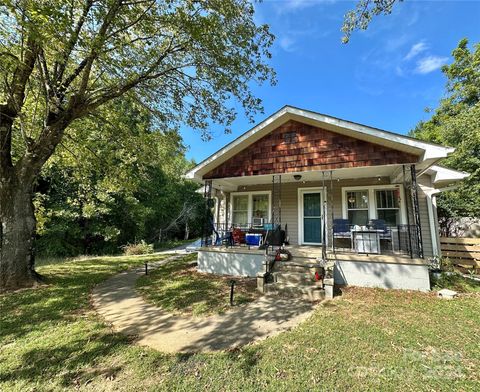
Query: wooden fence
x,y
462,251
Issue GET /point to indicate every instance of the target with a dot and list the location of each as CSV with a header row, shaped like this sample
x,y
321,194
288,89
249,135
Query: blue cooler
x,y
253,239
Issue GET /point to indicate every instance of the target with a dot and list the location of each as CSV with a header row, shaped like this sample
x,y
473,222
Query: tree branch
x,y
61,66
10,110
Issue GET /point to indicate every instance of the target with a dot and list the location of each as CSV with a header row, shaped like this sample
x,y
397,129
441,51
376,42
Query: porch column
x,y
227,210
277,199
324,220
407,202
207,194
416,210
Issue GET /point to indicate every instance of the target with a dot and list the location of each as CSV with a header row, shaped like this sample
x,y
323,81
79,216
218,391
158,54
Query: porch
x,y
371,221
381,210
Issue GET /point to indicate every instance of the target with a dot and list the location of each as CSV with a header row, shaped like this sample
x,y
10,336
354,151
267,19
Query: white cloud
x,y
399,71
416,49
430,63
395,43
294,5
287,44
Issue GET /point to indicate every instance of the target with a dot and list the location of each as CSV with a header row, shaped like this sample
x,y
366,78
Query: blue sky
x,y
385,77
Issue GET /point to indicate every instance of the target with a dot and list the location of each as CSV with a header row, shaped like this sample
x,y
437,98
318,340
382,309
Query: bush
x,y
447,265
139,248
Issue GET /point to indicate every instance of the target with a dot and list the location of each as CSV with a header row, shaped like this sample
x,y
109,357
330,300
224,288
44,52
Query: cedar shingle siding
x,y
295,146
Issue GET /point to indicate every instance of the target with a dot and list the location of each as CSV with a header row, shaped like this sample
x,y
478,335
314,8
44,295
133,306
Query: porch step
x,y
297,265
291,267
305,277
309,293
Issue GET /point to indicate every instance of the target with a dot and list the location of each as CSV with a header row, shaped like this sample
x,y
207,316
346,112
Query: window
x,y
388,206
249,205
363,203
290,137
240,209
260,206
357,207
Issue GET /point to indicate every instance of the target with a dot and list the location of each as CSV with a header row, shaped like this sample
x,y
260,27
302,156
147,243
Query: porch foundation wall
x,y
382,275
235,264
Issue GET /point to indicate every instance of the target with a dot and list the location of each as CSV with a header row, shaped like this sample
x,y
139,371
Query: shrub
x,y
139,248
447,264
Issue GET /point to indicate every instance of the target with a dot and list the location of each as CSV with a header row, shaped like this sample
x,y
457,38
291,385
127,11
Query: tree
x,y
362,15
114,180
456,122
62,60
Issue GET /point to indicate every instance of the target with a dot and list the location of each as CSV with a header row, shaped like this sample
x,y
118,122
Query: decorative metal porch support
x,y
276,199
227,211
207,194
331,208
416,210
324,220
407,188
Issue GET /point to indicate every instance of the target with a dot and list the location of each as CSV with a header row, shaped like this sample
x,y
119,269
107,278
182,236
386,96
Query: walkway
x,y
119,303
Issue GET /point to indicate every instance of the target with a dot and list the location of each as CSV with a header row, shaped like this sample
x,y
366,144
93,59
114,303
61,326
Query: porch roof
x,y
441,176
428,153
234,183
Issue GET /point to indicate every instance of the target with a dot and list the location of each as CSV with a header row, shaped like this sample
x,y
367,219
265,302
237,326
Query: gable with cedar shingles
x,y
295,147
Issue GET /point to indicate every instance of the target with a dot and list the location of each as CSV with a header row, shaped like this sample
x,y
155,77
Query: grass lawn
x,y
178,288
51,340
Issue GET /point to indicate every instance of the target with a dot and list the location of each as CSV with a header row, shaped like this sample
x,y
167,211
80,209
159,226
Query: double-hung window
x,y
250,207
260,206
357,207
387,206
240,210
361,204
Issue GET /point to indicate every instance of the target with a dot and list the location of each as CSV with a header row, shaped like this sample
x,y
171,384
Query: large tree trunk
x,y
17,235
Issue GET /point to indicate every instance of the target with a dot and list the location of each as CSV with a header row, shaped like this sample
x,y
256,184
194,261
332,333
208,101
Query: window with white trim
x,y
388,206
260,206
250,207
357,207
240,209
363,203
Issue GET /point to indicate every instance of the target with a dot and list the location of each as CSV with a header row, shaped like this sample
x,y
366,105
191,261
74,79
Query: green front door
x,y
312,218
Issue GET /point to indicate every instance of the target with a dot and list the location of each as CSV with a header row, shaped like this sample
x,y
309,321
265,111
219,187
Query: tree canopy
x,y
185,61
456,123
115,181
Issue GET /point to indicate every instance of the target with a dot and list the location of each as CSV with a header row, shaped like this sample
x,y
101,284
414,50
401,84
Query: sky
x,y
384,77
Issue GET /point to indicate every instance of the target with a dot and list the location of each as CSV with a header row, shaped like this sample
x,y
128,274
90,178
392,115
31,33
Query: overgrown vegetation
x,y
364,340
178,287
96,194
455,281
138,248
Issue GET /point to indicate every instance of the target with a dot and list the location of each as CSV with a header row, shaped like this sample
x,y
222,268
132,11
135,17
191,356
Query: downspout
x,y
433,219
430,194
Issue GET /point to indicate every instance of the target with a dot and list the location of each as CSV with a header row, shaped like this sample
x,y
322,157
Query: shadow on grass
x,y
69,361
178,287
48,331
